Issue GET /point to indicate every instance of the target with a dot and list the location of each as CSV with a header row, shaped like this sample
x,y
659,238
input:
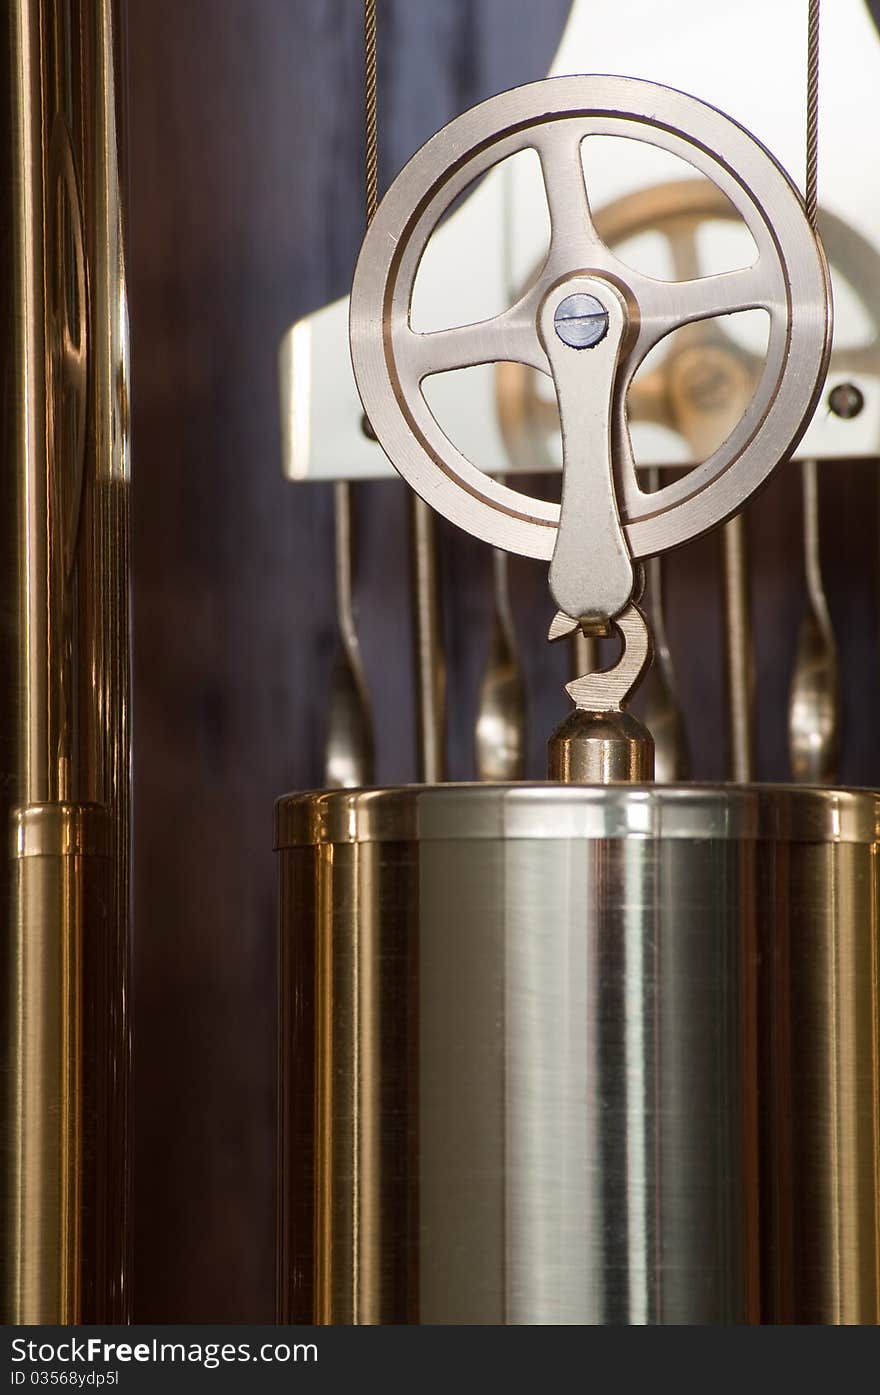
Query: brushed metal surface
x,y
591,572
523,1030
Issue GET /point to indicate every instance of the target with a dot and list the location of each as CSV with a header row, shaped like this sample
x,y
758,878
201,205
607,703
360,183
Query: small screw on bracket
x,y
581,321
846,401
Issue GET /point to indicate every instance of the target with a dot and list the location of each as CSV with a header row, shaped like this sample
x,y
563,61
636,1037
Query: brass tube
x,y
60,1240
24,502
64,671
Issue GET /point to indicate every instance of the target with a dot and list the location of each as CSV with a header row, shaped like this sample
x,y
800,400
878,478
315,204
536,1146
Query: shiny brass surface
x,y
524,1035
600,748
814,696
349,746
664,717
64,661
820,998
777,813
62,1232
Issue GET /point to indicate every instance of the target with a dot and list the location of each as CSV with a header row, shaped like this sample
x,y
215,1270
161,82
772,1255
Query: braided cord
x,y
371,123
812,178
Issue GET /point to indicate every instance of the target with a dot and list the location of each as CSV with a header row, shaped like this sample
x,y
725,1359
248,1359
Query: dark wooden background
x,y
246,157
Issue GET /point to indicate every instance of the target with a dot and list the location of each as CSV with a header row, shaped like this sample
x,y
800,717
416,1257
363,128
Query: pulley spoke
x,y
666,305
507,337
571,223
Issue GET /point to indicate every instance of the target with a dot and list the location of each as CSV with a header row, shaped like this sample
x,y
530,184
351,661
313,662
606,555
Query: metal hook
x,y
608,689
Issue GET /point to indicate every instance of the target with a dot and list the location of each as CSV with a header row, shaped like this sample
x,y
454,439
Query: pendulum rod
x,y
428,646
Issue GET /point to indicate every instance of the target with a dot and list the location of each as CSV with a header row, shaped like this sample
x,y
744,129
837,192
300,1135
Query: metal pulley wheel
x,y
589,321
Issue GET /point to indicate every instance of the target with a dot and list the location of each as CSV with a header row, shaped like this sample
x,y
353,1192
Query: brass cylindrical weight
x,y
558,1054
